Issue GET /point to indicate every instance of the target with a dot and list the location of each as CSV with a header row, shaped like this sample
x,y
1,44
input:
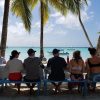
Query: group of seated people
x,y
32,66
76,66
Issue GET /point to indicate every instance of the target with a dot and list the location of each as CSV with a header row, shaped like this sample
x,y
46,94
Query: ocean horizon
x,y
23,52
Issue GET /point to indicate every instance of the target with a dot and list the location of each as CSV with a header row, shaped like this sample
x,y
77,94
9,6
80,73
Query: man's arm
x,y
49,63
64,64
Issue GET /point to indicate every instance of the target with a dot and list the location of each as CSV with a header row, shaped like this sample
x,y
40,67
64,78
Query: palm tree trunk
x,y
4,27
41,34
79,16
98,47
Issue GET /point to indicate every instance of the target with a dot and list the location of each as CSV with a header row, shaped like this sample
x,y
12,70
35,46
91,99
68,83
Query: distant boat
x,y
62,52
71,49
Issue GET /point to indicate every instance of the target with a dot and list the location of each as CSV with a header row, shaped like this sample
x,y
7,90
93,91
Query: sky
x,y
60,31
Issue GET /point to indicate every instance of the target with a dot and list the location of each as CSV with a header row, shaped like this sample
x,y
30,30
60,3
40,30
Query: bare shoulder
x,y
81,60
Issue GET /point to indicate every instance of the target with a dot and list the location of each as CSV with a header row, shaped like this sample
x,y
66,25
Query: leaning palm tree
x,y
74,6
44,14
4,27
22,10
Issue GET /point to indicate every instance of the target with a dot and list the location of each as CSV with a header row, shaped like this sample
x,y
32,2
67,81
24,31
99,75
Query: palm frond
x,y
75,5
21,9
59,5
32,3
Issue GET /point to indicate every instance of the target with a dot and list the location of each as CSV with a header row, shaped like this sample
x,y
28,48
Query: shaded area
x,y
10,93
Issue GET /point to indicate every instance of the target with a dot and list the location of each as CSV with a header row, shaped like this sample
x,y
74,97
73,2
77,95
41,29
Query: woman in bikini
x,y
93,66
76,67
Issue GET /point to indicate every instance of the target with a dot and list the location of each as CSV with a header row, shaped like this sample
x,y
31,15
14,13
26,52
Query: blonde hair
x,y
76,55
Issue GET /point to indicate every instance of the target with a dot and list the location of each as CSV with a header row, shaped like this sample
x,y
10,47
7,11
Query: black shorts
x,y
77,76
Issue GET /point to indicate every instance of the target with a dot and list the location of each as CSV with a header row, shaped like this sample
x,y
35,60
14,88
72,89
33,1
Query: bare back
x,y
94,64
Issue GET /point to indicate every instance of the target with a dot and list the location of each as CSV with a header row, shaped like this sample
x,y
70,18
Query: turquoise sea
x,y
70,50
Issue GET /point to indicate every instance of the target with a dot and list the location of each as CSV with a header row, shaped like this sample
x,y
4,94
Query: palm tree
x,y
22,10
4,27
44,14
74,6
44,10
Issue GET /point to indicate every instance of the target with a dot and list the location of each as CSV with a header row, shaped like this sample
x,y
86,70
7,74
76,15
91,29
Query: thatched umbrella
x,y
98,47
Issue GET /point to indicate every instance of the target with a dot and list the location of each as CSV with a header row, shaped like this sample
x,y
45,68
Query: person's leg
x,y
80,85
70,84
18,86
26,80
33,84
16,77
58,86
55,86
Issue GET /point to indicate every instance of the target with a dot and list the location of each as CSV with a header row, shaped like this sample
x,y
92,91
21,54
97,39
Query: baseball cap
x,y
55,51
14,52
30,51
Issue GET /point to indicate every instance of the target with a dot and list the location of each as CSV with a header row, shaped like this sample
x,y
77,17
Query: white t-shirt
x,y
14,65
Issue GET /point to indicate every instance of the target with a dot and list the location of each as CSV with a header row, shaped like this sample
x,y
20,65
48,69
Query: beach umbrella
x,y
98,47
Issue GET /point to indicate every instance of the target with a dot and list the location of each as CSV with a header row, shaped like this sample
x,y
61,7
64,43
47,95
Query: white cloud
x,y
25,40
36,25
17,36
2,4
71,21
16,29
89,2
48,28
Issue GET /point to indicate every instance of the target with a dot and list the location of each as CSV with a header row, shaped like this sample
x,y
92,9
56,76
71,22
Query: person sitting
x,y
76,67
15,67
93,66
32,66
57,65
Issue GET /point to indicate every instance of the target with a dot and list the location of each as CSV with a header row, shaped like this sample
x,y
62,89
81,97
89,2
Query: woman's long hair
x,y
13,54
76,56
11,57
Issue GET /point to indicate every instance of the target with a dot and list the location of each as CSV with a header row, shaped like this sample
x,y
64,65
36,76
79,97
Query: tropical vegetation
x,y
75,7
23,9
